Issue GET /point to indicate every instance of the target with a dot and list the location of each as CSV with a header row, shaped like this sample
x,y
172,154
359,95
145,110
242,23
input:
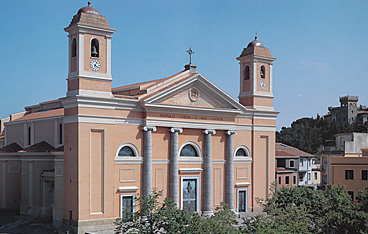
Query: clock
x,y
95,65
263,85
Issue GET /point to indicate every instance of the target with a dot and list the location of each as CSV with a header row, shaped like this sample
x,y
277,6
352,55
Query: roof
x,y
291,150
139,89
280,153
42,146
42,114
11,148
89,10
365,148
279,169
256,43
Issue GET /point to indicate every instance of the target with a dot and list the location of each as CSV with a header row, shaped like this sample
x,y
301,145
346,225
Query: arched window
x,y
188,151
263,72
126,151
241,152
246,73
94,48
74,47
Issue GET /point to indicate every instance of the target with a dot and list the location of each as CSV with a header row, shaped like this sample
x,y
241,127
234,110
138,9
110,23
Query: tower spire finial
x,y
256,37
89,4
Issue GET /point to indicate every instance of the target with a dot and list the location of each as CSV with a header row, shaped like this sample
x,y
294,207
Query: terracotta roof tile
x,y
11,148
284,154
291,150
141,87
42,146
42,114
283,169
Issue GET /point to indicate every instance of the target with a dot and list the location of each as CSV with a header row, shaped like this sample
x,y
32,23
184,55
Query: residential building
x,y
292,159
83,158
316,173
346,163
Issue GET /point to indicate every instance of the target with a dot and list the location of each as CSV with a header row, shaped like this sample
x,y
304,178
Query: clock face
x,y
95,65
263,85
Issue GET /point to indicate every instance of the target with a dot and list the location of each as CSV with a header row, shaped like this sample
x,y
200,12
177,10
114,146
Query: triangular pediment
x,y
196,92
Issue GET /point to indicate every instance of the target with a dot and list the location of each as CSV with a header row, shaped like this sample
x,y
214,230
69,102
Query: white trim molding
x,y
190,170
128,189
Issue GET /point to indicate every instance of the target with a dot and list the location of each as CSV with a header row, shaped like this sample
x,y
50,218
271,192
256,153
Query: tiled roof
x,y
291,150
42,114
42,146
139,89
280,153
283,169
11,148
364,148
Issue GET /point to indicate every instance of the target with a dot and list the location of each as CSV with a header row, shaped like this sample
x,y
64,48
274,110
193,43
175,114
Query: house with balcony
x,y
294,164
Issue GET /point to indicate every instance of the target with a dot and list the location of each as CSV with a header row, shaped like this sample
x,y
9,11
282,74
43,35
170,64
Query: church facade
x,y
83,158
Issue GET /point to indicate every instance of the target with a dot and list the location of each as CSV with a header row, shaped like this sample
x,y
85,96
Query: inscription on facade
x,y
173,116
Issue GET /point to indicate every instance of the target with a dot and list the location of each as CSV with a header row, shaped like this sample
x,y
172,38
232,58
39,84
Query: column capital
x,y
180,130
230,132
149,128
208,131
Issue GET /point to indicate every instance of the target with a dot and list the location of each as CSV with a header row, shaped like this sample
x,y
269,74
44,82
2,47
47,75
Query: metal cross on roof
x,y
190,52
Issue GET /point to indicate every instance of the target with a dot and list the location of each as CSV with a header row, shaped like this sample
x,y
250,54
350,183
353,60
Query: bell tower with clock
x,y
256,76
89,54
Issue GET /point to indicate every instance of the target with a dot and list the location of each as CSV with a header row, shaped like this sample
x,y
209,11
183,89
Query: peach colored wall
x,y
71,167
338,172
87,52
94,85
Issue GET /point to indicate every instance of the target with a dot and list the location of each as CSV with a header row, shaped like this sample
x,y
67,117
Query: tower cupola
x,y
89,54
256,76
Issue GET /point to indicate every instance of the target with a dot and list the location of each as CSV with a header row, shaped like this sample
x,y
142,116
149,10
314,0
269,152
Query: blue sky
x,y
321,47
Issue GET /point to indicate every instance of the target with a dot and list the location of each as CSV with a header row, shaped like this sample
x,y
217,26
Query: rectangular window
x,y
287,180
127,206
301,177
351,193
291,163
294,179
315,175
364,174
309,176
280,180
349,174
301,162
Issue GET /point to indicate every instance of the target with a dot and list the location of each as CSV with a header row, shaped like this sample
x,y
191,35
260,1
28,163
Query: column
x,y
3,188
147,160
207,173
229,180
174,170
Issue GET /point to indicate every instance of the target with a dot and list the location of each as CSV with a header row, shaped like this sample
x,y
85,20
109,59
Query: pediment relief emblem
x,y
194,97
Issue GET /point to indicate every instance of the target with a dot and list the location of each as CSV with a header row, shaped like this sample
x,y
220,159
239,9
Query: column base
x,y
207,213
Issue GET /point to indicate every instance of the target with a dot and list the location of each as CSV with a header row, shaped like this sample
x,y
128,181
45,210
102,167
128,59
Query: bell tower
x,y
256,76
89,54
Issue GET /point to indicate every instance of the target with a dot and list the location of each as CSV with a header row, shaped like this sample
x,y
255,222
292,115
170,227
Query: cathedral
x,y
83,158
